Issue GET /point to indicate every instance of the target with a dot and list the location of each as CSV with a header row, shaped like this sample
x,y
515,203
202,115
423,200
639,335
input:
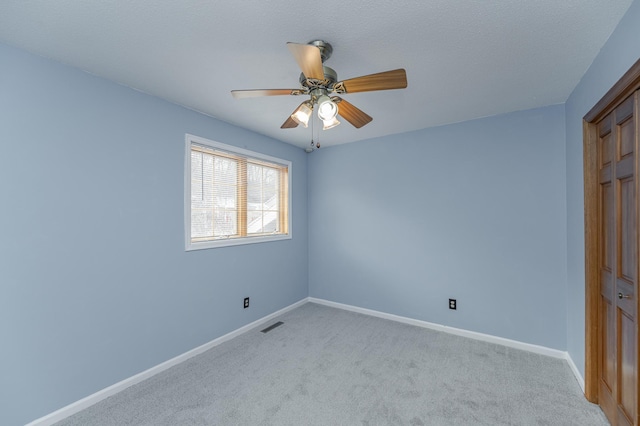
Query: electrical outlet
x,y
452,304
246,302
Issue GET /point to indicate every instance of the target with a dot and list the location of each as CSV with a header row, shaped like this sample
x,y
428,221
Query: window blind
x,y
236,196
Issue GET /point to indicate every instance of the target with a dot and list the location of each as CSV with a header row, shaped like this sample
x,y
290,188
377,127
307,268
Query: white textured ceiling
x,y
464,59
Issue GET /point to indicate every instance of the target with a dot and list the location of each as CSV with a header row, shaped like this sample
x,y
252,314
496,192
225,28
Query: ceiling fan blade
x,y
241,94
352,114
308,59
290,123
395,79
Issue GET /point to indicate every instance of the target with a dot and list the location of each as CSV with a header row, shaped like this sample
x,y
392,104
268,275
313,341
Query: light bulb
x,y
302,114
327,109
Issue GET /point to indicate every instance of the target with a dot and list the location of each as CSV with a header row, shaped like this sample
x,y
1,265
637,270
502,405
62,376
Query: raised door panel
x,y
627,379
627,247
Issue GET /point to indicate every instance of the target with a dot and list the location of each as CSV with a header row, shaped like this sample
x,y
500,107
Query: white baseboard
x,y
90,400
575,371
542,350
451,330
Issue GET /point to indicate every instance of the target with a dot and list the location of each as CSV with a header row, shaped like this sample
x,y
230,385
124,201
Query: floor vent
x,y
271,327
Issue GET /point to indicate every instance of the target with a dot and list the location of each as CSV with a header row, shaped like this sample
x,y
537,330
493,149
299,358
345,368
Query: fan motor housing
x,y
330,77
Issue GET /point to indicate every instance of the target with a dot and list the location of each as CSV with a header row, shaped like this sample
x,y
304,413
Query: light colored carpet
x,y
326,366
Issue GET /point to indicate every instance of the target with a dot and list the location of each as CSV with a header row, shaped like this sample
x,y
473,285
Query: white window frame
x,y
189,245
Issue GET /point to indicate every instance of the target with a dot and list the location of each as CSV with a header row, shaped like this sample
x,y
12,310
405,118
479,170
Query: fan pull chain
x,y
312,120
318,138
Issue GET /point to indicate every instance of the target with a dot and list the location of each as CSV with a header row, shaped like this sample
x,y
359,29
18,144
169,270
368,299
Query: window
x,y
234,196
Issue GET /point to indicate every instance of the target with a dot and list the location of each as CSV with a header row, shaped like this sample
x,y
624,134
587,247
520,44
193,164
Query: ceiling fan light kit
x,y
319,81
303,113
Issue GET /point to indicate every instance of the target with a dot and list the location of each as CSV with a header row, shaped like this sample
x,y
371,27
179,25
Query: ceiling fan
x,y
319,82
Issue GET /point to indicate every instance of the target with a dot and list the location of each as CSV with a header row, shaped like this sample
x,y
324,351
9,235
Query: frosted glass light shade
x,y
329,124
302,114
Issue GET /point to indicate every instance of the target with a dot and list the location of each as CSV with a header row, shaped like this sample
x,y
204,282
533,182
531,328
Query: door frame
x,y
626,86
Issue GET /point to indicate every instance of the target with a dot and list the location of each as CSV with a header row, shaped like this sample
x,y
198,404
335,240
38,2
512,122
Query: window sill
x,y
234,242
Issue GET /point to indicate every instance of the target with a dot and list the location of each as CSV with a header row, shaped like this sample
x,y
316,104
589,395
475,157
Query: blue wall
x,y
473,211
620,52
95,285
